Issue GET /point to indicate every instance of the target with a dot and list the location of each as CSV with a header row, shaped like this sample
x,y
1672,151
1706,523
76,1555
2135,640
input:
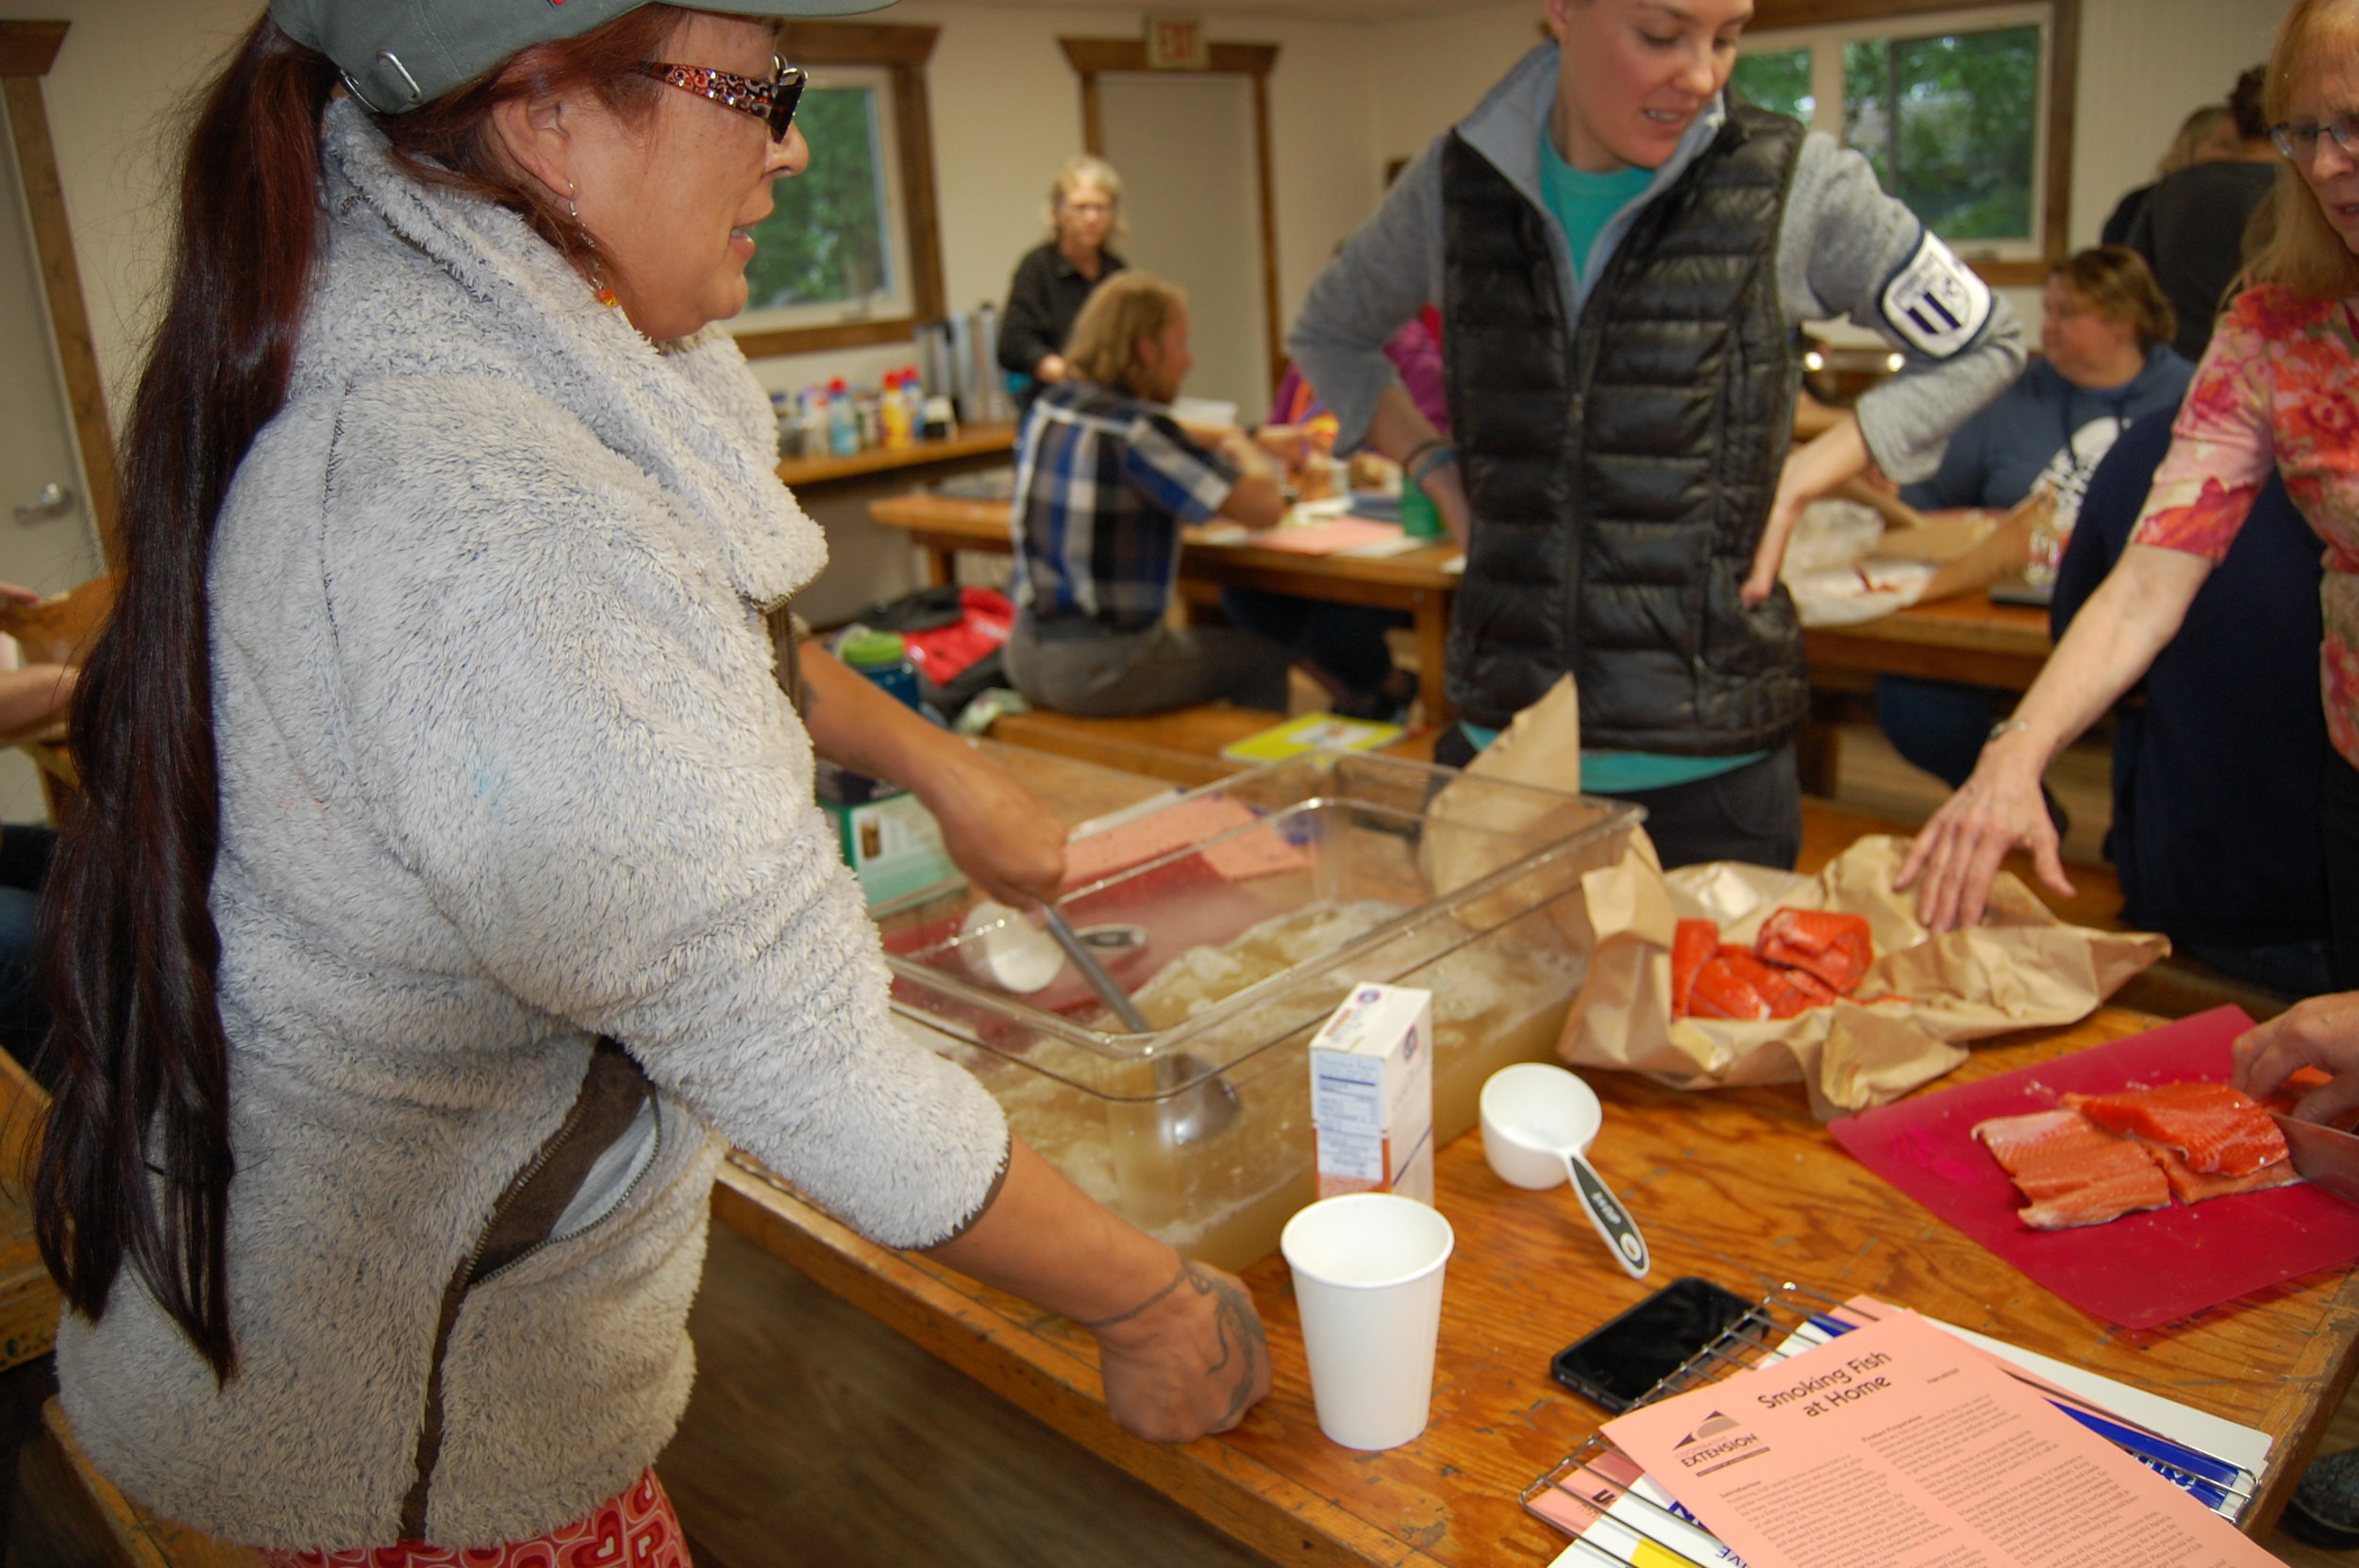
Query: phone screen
x,y
1620,1361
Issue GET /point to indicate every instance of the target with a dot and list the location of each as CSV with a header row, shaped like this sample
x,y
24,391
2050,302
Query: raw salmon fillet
x,y
2074,1174
2189,1185
1836,948
1692,947
2219,1130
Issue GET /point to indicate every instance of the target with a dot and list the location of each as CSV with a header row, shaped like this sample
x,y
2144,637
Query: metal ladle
x,y
1189,1116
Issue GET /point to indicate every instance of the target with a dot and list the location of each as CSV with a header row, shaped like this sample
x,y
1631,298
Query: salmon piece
x,y
1725,986
1837,948
1794,991
2189,1185
2072,1172
1692,947
2219,1130
2050,1152
2107,1198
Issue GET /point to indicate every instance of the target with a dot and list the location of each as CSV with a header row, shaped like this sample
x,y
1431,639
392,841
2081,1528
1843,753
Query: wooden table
x,y
1415,582
1739,1185
1963,638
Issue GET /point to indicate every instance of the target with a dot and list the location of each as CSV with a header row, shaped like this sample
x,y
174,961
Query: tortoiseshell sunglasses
x,y
772,101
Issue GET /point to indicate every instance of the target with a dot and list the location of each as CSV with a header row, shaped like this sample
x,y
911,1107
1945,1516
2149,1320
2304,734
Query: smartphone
x,y
1617,1364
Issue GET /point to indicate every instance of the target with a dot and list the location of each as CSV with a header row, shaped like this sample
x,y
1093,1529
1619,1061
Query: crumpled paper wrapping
x,y
2023,968
1473,832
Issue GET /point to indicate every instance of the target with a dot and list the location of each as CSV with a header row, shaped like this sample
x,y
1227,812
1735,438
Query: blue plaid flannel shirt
x,y
1103,482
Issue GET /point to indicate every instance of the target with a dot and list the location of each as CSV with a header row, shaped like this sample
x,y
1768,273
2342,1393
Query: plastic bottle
x,y
884,658
842,423
810,424
789,431
893,414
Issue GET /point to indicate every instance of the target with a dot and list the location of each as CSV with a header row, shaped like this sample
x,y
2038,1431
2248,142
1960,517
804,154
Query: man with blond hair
x,y
1105,479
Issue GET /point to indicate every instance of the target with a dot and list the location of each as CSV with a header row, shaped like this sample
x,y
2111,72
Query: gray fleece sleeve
x,y
566,726
1386,274
1848,249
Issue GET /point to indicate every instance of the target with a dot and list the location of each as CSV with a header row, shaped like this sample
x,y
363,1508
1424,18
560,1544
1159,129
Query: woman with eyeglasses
x,y
2278,389
448,890
1057,278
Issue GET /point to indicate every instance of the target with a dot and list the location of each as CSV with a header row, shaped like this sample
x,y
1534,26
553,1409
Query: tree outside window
x,y
1948,111
827,244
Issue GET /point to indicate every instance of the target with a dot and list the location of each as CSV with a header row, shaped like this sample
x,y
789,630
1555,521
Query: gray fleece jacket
x,y
503,768
1844,248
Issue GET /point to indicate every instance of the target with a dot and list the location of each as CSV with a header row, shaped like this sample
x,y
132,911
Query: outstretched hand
x,y
1958,852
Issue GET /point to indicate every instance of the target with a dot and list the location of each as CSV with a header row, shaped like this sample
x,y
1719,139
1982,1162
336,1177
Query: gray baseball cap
x,y
399,54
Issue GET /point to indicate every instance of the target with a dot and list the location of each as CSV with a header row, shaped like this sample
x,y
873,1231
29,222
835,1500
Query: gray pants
x,y
1113,675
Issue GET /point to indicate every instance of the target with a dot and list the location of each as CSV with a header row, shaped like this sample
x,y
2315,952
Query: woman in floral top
x,y
2278,387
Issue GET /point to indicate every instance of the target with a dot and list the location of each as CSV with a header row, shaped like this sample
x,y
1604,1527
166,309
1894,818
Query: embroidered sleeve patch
x,y
1934,302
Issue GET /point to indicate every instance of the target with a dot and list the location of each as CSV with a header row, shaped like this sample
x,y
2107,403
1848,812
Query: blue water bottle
x,y
884,658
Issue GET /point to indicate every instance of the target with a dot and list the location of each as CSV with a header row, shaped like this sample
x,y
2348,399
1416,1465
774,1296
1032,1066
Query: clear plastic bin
x,y
1274,893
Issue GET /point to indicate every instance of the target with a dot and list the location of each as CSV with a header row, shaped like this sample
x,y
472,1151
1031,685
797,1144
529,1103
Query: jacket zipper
x,y
430,1446
625,1196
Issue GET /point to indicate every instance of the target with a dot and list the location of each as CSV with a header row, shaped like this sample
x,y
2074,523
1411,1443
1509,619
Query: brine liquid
x,y
1496,999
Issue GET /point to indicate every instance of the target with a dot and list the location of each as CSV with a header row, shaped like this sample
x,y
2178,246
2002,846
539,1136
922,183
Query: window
x,y
1954,111
851,255
835,248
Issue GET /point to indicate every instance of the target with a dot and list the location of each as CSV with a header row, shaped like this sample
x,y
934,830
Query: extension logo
x,y
1718,1442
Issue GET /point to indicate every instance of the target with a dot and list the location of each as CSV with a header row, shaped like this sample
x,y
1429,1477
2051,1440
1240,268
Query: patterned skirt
x,y
636,1529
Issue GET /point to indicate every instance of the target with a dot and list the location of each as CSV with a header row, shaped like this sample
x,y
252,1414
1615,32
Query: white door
x,y
47,537
1183,144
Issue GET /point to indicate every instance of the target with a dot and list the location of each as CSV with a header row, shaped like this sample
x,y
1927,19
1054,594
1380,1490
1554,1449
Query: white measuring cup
x,y
1538,1121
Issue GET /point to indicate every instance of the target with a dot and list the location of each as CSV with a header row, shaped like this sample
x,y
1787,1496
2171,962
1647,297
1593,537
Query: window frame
x,y
2055,172
903,50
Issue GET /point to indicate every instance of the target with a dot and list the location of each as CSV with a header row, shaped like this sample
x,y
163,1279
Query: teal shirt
x,y
1584,204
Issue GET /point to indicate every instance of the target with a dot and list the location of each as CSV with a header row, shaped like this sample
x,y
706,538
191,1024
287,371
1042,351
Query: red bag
x,y
985,618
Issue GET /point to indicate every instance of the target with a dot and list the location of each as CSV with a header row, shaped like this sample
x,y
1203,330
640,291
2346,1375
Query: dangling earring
x,y
599,289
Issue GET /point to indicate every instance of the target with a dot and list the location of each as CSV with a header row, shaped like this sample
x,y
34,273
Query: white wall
x,y
116,102
1007,111
1425,74
2144,64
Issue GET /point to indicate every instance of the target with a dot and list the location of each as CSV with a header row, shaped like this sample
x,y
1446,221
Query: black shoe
x,y
2324,1511
1388,704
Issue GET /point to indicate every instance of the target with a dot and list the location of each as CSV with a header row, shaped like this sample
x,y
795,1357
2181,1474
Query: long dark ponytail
x,y
136,1036
135,1165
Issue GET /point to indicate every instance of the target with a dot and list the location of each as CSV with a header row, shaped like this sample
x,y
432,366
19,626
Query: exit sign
x,y
1177,43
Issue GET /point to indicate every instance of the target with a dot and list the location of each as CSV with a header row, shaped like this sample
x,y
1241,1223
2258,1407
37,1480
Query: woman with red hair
x,y
448,891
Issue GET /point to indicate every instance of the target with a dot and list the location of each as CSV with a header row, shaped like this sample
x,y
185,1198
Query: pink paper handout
x,y
1898,1446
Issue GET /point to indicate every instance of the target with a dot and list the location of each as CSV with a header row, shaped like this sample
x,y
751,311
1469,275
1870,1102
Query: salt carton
x,y
1372,1093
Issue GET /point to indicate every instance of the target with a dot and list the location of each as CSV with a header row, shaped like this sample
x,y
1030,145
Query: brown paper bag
x,y
2023,968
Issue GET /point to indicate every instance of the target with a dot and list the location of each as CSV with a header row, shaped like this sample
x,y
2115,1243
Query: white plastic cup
x,y
1367,1269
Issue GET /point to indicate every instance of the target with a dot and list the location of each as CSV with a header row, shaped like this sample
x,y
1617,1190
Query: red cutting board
x,y
2138,1271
